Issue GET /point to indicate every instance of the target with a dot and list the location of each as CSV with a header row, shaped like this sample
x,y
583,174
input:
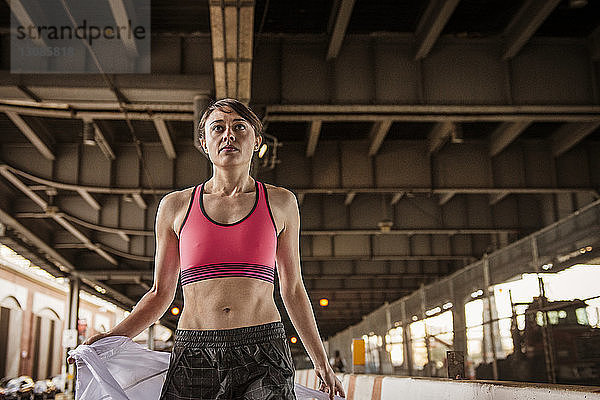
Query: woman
x,y
224,236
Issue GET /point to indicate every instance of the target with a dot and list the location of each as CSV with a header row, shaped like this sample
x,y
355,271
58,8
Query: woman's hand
x,y
90,340
329,382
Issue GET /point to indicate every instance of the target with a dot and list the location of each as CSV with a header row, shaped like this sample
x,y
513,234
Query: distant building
x,y
34,314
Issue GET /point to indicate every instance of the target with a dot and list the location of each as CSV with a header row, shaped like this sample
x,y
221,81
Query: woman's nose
x,y
228,134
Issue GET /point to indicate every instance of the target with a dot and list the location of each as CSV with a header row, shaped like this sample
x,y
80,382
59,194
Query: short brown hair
x,y
244,111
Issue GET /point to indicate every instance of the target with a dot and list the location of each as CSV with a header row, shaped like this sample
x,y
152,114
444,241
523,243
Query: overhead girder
x,y
35,138
381,70
568,135
165,137
232,26
153,92
524,24
401,190
123,18
505,134
459,72
430,113
431,25
54,213
339,19
57,261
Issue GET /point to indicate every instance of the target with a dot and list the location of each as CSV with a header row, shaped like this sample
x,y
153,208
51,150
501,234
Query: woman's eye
x,y
240,126
217,128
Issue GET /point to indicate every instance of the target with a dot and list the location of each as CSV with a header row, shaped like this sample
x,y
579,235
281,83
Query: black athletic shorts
x,y
249,363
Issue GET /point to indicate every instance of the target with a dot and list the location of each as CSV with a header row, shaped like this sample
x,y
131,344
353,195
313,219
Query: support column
x,y
74,285
26,353
459,322
385,357
72,319
547,337
407,342
489,299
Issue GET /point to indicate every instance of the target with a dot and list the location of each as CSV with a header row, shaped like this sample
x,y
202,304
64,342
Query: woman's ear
x,y
258,142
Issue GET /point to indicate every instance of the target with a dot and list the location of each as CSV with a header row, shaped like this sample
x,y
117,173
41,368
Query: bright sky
x,y
577,282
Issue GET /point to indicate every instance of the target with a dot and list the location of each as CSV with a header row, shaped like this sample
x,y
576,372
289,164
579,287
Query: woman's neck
x,y
229,186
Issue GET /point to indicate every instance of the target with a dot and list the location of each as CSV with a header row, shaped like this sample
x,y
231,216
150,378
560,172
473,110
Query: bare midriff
x,y
227,303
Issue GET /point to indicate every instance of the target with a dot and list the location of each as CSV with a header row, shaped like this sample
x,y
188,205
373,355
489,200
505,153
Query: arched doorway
x,y
11,317
47,328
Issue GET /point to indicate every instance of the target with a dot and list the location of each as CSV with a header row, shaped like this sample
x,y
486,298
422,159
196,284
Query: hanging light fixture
x,y
263,150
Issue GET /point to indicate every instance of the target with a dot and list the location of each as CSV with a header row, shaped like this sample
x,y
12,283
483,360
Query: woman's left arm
x,y
295,298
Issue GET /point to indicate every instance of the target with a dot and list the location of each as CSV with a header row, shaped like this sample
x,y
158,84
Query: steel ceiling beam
x,y
441,116
329,113
568,135
349,198
122,18
139,200
446,197
497,197
439,135
397,197
505,134
232,32
524,24
342,19
123,232
30,134
53,213
25,19
314,130
377,134
58,260
432,24
45,183
89,199
152,92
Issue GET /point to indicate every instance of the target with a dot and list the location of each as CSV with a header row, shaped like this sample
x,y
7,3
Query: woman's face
x,y
228,138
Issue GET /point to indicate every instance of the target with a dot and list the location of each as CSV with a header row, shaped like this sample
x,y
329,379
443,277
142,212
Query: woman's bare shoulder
x,y
173,202
280,196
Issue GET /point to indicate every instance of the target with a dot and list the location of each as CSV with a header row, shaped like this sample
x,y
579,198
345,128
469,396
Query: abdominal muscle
x,y
227,303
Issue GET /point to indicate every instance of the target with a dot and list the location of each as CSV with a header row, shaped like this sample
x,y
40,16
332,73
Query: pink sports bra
x,y
210,249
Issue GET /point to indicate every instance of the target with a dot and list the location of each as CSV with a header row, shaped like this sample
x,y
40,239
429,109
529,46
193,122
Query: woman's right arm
x,y
166,274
